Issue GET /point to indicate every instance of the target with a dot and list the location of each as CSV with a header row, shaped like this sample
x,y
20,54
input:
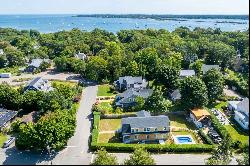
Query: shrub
x,y
205,137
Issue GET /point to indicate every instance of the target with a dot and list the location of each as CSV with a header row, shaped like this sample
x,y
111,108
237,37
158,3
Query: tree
x,y
245,158
44,65
193,92
168,76
222,154
103,158
197,67
31,100
214,81
132,69
156,103
140,157
140,102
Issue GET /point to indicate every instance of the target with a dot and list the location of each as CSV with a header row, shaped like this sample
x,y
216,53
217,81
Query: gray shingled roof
x,y
37,62
40,84
6,116
143,113
205,68
186,73
144,122
145,93
130,79
244,105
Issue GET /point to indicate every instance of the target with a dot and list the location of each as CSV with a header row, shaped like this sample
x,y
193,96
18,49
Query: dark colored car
x,y
9,142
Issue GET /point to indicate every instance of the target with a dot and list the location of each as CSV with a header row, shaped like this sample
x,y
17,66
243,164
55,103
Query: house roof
x,y
143,113
144,122
130,79
1,51
176,94
234,103
81,55
37,62
242,116
243,105
145,93
186,73
200,113
205,68
40,84
6,116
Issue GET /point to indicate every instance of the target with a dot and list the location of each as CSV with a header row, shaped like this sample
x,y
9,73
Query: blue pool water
x,y
182,140
53,23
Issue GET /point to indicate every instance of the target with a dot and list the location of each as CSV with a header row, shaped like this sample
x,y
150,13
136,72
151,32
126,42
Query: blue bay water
x,y
54,23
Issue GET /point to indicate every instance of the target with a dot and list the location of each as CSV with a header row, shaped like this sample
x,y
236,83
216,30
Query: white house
x,y
81,56
242,113
187,73
1,52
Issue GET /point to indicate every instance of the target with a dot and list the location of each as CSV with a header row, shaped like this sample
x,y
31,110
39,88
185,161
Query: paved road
x,y
77,151
50,75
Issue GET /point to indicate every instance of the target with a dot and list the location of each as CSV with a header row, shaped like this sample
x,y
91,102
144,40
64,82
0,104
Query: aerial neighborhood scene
x,y
124,82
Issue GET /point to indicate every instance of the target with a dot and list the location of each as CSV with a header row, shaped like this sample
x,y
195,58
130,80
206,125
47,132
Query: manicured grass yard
x,y
237,135
104,90
3,138
109,124
106,106
72,84
108,138
180,121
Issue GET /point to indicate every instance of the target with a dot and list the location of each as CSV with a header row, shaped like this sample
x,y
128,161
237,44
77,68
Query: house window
x,y
132,130
136,137
148,129
145,129
147,136
156,129
165,128
155,136
137,130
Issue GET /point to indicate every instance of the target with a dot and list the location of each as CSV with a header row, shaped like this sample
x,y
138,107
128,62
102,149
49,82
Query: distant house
x,y
6,117
187,73
35,64
5,75
129,82
39,84
144,128
200,117
1,52
238,62
242,113
81,56
127,98
205,68
175,95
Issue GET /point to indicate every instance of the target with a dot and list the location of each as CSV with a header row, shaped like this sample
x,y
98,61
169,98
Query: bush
x,y
205,137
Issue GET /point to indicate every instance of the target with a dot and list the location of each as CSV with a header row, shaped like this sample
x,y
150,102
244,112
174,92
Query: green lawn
x,y
3,138
71,84
237,135
12,70
108,138
180,121
106,107
104,90
109,124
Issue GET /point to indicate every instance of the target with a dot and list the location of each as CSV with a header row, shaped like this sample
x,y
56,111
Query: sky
x,y
124,6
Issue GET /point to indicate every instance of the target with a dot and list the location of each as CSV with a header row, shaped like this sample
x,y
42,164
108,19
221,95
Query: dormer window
x,y
156,129
132,130
165,128
148,129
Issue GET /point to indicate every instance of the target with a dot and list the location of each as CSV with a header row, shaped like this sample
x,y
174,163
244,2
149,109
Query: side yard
x,y
3,138
105,90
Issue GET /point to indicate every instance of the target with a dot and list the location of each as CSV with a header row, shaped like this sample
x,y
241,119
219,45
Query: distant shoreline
x,y
165,17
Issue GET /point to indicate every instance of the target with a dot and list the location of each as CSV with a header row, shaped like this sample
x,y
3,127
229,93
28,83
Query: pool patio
x,y
183,139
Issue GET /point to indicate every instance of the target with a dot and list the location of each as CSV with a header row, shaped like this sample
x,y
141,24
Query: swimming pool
x,y
183,139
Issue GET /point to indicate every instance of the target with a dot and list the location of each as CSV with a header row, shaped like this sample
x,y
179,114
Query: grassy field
x,y
12,70
109,124
106,106
3,138
180,121
104,90
108,138
237,135
72,84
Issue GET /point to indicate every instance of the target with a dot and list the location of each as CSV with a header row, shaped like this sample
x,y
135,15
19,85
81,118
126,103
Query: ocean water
x,y
54,23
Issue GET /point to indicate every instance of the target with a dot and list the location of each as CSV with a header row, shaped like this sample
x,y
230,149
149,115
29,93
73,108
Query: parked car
x,y
9,142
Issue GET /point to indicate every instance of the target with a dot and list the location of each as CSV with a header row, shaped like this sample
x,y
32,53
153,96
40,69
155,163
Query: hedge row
x,y
150,147
205,137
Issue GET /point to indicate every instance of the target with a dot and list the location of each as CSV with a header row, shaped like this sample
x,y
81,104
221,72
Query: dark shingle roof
x,y
39,84
6,116
144,122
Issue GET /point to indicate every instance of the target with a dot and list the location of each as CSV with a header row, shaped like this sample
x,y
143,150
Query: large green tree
x,y
214,81
140,157
193,92
103,158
